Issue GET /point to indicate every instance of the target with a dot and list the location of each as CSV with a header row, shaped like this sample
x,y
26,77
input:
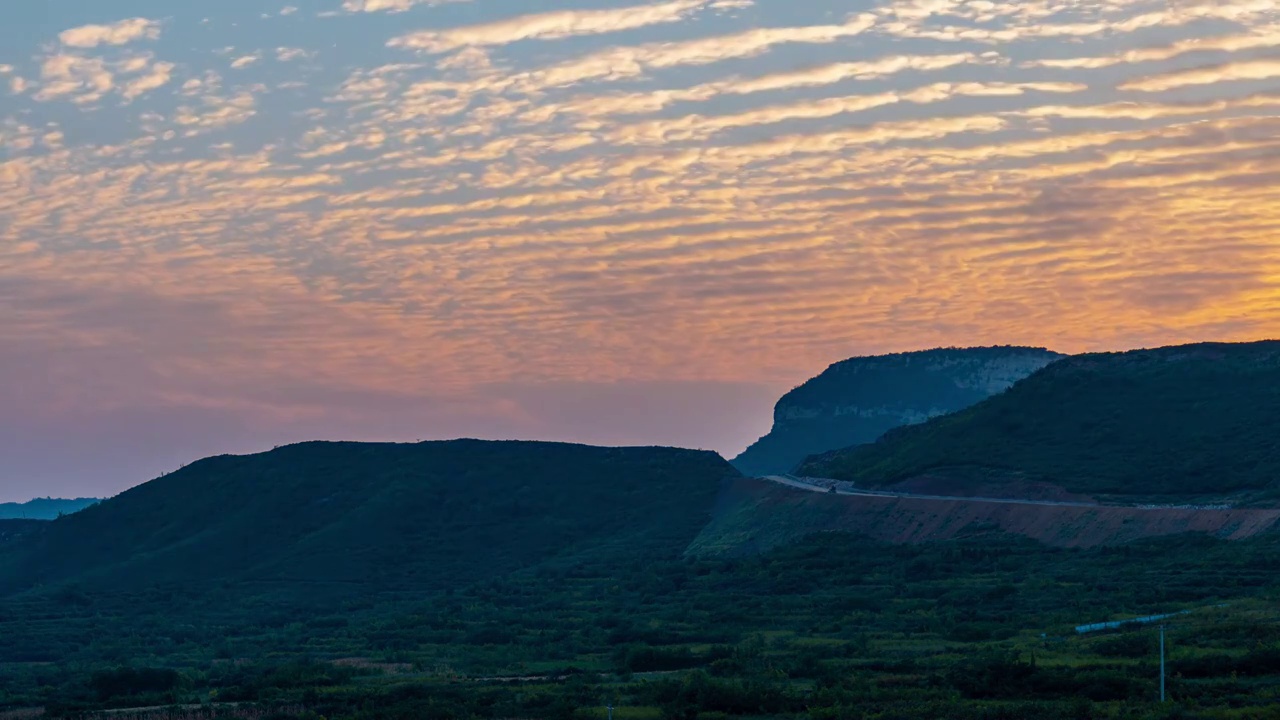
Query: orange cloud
x,y
659,208
1261,69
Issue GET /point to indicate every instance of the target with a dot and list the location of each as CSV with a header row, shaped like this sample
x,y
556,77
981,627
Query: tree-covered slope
x,y
14,534
1198,420
858,400
329,516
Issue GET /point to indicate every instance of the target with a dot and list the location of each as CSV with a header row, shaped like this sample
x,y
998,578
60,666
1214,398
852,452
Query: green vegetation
x,y
336,519
14,534
833,627
1189,421
858,400
530,580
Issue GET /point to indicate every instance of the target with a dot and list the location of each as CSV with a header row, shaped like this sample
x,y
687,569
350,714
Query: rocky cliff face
x,y
857,400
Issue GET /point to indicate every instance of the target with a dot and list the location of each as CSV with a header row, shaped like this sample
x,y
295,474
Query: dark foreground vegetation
x,y
527,580
979,628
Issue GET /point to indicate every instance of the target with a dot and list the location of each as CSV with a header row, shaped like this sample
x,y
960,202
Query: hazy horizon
x,y
668,419
228,226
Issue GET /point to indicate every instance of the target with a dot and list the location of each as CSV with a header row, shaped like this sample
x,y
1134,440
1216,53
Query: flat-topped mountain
x,y
321,517
1185,423
43,508
858,400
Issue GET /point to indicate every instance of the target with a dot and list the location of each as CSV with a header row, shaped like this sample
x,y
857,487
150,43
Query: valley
x,y
640,360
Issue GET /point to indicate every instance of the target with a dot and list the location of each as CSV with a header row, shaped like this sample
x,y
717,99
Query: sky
x,y
230,225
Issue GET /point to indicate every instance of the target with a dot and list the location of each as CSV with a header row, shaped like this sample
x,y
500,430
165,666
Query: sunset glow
x,y
224,225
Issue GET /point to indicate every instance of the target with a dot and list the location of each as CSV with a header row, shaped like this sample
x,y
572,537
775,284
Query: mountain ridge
x,y
44,508
337,515
345,579
378,514
1197,420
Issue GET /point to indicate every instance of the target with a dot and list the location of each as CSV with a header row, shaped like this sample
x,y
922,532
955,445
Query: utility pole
x,y
1161,664
610,711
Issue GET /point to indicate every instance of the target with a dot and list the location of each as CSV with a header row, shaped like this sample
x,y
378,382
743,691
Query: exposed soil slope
x,y
753,515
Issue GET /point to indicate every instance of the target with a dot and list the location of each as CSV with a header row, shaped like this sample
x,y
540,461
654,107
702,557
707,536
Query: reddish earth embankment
x,y
754,515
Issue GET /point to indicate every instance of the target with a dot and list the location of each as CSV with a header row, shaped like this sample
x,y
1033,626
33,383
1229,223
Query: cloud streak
x,y
277,226
392,6
549,26
1262,69
118,33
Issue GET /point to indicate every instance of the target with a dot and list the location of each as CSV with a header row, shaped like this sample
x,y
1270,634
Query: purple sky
x,y
103,453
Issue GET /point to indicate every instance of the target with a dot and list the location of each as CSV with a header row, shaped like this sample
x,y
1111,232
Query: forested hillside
x,y
347,517
475,579
1180,422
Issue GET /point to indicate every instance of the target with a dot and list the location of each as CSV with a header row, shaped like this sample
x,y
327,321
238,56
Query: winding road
x,y
816,485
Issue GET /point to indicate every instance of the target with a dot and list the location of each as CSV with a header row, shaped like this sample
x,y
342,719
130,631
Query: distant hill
x,y
1192,421
858,400
43,508
340,517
